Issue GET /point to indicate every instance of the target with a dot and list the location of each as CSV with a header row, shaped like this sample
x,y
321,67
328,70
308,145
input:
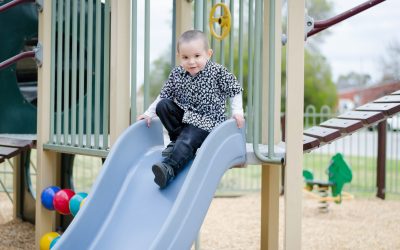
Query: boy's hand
x,y
147,118
239,120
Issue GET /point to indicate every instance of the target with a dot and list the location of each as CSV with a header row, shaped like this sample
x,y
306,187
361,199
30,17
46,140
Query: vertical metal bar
x,y
82,60
358,154
271,87
366,154
59,68
222,43
352,142
53,70
205,16
146,53
89,75
106,86
134,59
250,70
213,43
74,69
241,40
97,76
396,157
67,24
197,14
173,42
232,36
391,145
321,156
222,52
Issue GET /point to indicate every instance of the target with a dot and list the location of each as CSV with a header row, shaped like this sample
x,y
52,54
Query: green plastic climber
x,y
339,173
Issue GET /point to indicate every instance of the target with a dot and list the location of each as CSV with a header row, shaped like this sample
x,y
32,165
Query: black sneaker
x,y
163,173
168,150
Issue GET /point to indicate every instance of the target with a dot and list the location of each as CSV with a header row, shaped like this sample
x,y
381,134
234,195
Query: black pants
x,y
188,138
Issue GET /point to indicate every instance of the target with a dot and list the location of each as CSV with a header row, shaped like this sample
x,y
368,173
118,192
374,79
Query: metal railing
x,y
324,24
79,98
16,58
14,3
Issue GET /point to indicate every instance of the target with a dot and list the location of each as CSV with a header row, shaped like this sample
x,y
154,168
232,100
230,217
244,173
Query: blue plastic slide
x,y
127,210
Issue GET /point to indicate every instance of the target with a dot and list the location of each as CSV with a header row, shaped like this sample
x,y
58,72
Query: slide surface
x,y
126,209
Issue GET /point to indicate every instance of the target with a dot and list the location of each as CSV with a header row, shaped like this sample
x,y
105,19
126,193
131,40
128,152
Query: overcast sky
x,y
355,44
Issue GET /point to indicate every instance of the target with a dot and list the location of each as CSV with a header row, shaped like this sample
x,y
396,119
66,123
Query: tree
x,y
319,88
159,73
390,62
353,79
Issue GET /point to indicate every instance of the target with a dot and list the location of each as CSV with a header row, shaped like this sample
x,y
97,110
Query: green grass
x,y
242,180
364,173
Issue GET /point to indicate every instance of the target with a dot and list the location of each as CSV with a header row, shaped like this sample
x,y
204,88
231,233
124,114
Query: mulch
x,y
234,223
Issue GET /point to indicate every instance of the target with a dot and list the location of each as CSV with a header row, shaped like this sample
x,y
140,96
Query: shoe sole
x,y
159,176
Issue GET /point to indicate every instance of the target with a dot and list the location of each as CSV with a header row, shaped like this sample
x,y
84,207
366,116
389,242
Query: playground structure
x,y
83,130
18,104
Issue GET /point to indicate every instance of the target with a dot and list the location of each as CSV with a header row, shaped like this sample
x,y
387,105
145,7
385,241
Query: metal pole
x,y
324,24
14,59
146,54
13,4
381,160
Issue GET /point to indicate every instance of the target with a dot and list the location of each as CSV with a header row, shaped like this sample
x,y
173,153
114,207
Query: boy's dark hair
x,y
191,35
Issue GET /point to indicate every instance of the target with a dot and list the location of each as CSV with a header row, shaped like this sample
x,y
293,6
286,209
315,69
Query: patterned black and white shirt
x,y
203,96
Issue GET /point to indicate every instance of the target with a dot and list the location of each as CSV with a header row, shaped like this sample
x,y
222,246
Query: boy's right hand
x,y
147,118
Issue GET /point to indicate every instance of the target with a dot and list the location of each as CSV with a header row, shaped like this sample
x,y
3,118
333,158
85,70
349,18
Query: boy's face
x,y
193,56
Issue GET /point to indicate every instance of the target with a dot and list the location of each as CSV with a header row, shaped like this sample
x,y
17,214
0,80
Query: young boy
x,y
192,103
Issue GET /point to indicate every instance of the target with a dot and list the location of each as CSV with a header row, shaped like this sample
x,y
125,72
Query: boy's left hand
x,y
239,120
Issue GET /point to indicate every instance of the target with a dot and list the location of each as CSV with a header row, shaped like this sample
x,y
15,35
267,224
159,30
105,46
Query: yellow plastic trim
x,y
344,196
224,21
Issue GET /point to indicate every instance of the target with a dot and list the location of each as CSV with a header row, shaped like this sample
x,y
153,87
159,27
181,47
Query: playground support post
x,y
381,166
47,161
119,68
184,20
294,124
